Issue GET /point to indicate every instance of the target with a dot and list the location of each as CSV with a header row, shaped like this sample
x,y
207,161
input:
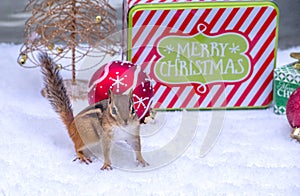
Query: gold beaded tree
x,y
69,29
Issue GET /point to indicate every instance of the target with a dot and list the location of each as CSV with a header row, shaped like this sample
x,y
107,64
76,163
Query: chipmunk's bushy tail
x,y
56,91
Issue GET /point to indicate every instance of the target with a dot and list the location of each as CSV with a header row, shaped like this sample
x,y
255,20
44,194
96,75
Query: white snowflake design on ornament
x,y
118,81
140,101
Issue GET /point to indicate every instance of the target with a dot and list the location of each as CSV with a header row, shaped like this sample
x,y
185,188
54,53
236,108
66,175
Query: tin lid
x,y
132,3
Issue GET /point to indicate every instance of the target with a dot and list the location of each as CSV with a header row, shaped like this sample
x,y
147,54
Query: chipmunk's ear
x,y
110,96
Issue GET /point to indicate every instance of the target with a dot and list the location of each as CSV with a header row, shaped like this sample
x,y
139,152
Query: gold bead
x,y
98,19
59,50
112,53
22,59
59,66
50,46
25,56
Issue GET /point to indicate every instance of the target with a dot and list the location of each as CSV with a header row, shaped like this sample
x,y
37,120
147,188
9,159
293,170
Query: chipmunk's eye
x,y
113,111
132,110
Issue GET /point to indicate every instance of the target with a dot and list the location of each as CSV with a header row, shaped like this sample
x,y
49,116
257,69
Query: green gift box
x,y
286,80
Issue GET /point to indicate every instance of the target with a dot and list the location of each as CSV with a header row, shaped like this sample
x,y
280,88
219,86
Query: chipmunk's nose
x,y
126,122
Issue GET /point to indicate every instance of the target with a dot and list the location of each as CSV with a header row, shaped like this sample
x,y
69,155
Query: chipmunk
x,y
102,122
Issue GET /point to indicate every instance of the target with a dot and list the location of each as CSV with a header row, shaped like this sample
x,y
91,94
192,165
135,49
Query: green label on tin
x,y
286,80
284,90
202,59
282,93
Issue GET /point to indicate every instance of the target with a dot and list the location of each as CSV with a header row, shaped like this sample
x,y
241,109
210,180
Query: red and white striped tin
x,y
204,54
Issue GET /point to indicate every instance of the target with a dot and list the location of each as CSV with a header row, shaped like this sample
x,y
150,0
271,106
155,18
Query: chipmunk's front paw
x,y
106,166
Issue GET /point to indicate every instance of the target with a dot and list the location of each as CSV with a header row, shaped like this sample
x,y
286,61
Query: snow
x,y
253,155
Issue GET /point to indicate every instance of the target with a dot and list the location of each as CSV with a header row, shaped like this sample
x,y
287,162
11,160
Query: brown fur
x,y
100,122
58,98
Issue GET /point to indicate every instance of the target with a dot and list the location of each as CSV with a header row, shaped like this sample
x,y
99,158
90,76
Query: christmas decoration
x,y
293,113
296,55
212,54
296,134
121,77
286,80
22,59
69,29
293,103
293,108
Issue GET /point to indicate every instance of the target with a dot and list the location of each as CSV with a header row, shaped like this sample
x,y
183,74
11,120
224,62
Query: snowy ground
x,y
253,155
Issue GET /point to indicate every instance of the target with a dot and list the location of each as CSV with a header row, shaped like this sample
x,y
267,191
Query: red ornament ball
x,y
121,77
293,109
